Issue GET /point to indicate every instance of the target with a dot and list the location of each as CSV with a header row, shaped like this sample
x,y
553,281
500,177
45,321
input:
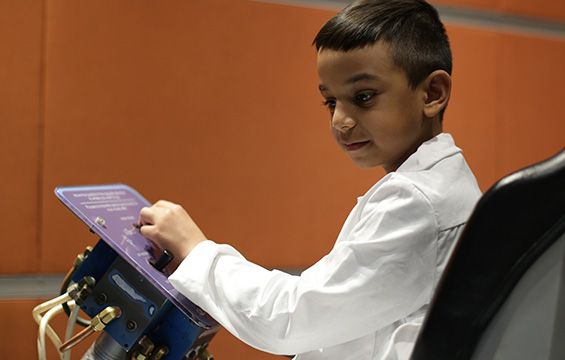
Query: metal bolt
x,y
100,221
131,325
101,298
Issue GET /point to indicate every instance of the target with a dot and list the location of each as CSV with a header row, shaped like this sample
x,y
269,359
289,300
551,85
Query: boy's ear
x,y
438,90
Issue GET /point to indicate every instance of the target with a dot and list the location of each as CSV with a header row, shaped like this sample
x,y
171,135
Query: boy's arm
x,y
381,272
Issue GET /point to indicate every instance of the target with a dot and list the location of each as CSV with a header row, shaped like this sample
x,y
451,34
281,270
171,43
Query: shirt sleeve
x,y
382,270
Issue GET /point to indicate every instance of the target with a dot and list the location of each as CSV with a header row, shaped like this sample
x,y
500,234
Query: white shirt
x,y
366,298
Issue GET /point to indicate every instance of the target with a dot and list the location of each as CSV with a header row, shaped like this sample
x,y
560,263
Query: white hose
x,y
71,327
43,326
47,306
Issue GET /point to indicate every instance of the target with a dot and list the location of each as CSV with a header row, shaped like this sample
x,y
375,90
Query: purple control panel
x,y
112,211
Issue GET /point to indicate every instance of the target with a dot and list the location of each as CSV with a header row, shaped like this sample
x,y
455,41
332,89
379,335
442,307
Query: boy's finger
x,y
148,232
146,216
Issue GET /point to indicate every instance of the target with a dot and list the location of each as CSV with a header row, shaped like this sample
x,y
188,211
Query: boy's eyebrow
x,y
361,77
354,79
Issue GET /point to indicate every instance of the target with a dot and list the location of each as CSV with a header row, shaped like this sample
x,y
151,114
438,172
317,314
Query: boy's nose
x,y
341,120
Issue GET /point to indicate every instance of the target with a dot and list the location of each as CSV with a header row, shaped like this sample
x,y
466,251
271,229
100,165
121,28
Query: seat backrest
x,y
530,322
502,295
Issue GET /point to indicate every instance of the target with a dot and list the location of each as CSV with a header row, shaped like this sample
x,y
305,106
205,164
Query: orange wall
x,y
213,104
548,9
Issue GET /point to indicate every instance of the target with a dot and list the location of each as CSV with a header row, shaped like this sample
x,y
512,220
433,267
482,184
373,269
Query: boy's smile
x,y
376,117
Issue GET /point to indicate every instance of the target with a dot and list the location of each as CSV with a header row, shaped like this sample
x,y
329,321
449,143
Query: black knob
x,y
163,260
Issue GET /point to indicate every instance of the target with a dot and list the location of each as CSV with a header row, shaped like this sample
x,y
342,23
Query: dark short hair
x,y
412,28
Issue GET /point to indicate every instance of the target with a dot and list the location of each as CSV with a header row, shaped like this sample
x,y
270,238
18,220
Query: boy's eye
x,y
362,98
330,104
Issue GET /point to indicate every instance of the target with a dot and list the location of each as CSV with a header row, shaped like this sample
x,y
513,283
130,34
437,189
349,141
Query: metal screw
x,y
131,325
100,221
101,298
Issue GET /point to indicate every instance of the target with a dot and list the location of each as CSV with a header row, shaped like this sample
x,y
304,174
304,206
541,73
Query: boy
x,y
384,69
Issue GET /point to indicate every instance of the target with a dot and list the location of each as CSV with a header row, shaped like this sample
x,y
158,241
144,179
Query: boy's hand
x,y
170,227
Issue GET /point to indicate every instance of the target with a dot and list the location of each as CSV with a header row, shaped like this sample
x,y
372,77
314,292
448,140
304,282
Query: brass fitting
x,y
100,321
160,353
205,355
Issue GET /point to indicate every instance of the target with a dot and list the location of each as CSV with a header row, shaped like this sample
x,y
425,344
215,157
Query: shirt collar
x,y
430,153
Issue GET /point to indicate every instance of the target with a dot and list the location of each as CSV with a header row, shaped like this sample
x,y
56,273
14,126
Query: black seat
x,y
502,295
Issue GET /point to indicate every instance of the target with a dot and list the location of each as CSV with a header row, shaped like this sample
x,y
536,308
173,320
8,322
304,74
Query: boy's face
x,y
376,117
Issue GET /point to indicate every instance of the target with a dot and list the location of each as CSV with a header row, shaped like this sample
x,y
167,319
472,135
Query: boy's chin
x,y
364,164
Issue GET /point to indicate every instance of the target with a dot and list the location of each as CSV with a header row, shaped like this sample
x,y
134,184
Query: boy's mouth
x,y
355,145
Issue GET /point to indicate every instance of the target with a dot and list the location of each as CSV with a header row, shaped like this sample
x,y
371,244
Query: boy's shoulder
x,y
438,174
